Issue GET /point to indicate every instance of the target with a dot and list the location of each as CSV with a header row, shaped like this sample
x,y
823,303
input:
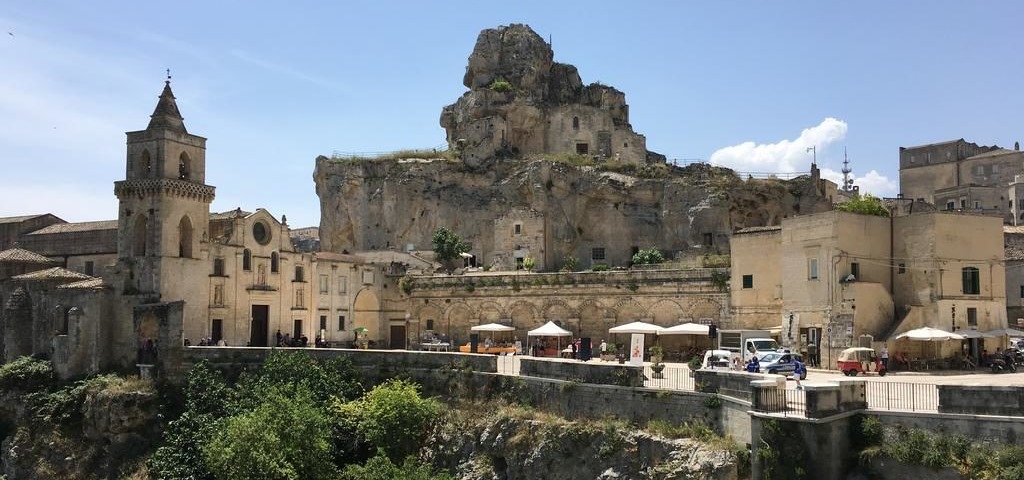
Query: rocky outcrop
x,y
116,426
521,102
381,204
511,449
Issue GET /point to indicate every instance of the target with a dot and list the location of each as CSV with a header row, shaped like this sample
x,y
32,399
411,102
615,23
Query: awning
x,y
549,330
636,327
686,329
492,327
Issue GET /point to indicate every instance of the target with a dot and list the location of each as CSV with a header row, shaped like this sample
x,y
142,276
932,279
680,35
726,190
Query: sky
x,y
749,85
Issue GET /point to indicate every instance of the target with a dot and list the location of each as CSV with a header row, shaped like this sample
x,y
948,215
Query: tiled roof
x,y
339,257
758,229
77,227
55,273
19,219
85,284
20,255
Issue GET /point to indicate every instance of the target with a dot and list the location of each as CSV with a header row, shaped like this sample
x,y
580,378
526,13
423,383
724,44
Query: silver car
x,y
781,363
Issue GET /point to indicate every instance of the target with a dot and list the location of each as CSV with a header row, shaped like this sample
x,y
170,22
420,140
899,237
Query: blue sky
x,y
745,84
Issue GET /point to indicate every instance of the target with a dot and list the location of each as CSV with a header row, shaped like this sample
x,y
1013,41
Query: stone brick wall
x,y
981,399
242,357
578,372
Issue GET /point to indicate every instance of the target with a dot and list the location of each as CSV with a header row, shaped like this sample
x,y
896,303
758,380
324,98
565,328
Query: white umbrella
x,y
972,333
636,327
1006,331
492,327
929,334
686,329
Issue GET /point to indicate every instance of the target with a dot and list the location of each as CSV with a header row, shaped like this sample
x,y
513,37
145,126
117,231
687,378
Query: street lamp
x,y
954,317
408,319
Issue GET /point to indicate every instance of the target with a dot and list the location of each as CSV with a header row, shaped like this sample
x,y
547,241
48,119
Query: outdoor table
x,y
436,347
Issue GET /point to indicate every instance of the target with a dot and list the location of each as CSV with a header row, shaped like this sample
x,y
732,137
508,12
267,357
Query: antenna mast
x,y
847,181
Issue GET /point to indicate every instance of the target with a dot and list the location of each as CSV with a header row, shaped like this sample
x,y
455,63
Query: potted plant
x,y
657,355
695,364
361,341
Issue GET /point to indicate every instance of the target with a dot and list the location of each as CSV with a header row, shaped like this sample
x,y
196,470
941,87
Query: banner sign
x,y
636,350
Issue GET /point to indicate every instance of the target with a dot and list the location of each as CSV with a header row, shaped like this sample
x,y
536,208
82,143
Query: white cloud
x,y
784,156
872,182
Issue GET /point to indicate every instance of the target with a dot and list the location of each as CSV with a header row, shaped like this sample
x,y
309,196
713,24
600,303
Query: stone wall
x,y
579,372
978,428
981,399
247,357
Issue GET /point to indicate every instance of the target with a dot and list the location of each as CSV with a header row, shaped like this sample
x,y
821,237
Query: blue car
x,y
781,363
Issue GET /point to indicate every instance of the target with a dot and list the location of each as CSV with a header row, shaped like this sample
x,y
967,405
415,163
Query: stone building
x,y
960,175
168,270
585,303
837,276
12,228
521,102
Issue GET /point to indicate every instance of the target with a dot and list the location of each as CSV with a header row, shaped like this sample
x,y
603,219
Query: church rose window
x,y
261,233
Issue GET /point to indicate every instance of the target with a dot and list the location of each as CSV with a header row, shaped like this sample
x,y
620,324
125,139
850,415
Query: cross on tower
x,y
168,74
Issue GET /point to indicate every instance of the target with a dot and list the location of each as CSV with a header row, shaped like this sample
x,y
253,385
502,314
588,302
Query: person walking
x,y
885,357
798,371
603,348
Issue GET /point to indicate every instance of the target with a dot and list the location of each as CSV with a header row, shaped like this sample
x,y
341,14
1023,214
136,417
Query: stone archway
x,y
628,311
367,314
666,313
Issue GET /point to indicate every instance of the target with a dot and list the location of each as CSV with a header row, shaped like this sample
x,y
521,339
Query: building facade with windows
x,y
167,270
832,278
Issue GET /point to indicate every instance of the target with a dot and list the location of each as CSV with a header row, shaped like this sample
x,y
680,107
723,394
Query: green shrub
x,y
648,256
570,263
286,437
600,267
501,85
392,417
381,468
26,374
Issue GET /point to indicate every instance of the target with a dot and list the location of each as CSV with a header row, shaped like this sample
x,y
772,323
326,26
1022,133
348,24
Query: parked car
x,y
781,363
859,360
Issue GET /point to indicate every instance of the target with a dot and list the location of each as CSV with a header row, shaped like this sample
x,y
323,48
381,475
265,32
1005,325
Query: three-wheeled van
x,y
860,360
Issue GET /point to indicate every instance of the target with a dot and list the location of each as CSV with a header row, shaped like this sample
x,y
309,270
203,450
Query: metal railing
x,y
790,403
670,378
913,397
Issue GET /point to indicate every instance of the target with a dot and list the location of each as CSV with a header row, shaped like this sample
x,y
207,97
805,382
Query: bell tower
x,y
163,204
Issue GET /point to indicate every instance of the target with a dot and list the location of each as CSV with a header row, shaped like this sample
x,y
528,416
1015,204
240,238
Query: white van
x,y
718,359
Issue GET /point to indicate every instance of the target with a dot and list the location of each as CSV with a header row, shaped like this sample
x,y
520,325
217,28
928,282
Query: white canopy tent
x,y
636,327
686,329
549,330
492,327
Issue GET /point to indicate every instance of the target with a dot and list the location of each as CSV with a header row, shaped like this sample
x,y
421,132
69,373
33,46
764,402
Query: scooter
x,y
1000,365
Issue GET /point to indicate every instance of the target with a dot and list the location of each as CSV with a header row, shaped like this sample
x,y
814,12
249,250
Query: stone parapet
x,y
365,359
981,399
575,371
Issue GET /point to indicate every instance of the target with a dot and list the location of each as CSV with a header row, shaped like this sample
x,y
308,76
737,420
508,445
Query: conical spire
x,y
166,114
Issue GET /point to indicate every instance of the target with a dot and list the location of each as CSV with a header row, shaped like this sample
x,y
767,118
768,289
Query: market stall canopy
x,y
636,327
686,329
492,327
972,333
549,330
929,334
1006,331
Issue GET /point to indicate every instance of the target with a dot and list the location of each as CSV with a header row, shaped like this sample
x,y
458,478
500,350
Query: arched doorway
x,y
367,314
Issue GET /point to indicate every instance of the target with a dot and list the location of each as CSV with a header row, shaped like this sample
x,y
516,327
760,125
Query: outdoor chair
x,y
899,361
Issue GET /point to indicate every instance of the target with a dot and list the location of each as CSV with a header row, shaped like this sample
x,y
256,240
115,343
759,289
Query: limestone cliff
x,y
380,204
490,448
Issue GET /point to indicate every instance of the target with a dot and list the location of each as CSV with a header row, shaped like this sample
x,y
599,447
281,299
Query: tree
x,y
285,437
381,468
448,247
648,256
570,263
393,417
864,205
